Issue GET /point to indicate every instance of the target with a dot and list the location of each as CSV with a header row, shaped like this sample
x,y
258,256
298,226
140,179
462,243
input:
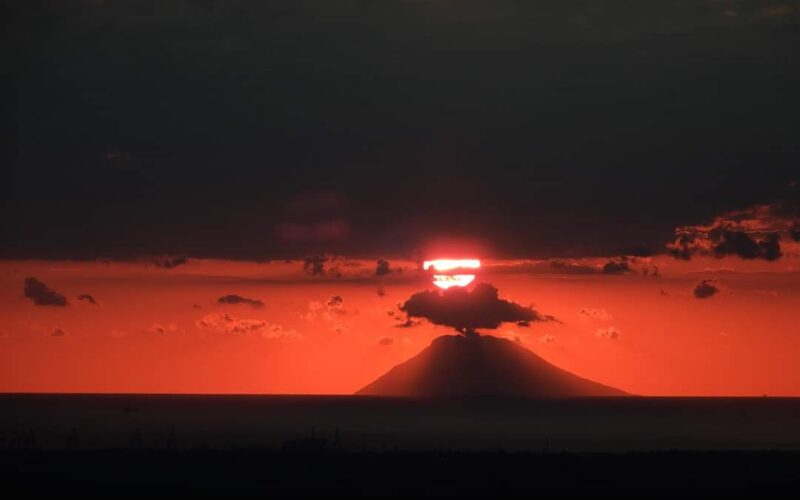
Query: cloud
x,y
609,333
467,310
229,324
328,310
335,303
160,329
547,339
402,320
238,299
41,294
170,262
336,266
741,244
279,333
616,267
314,265
88,298
386,341
58,332
752,233
625,263
565,267
382,267
706,289
592,314
332,311
407,323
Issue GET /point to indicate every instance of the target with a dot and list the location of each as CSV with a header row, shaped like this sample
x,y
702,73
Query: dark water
x,y
186,422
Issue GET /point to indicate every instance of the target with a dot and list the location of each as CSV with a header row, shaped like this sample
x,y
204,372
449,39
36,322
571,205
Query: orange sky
x,y
161,330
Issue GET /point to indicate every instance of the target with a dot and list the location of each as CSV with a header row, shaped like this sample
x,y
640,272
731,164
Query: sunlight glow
x,y
446,281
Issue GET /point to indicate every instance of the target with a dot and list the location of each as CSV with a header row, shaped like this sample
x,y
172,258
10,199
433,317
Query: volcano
x,y
464,366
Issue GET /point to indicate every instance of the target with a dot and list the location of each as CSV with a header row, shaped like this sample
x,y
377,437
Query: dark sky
x,y
255,129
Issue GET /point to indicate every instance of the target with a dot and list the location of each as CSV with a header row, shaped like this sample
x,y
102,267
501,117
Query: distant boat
x,y
459,366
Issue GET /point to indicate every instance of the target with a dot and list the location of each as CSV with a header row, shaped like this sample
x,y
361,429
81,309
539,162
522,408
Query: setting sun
x,y
447,280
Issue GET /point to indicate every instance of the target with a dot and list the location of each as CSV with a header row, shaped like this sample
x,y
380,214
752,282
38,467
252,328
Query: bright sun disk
x,y
447,280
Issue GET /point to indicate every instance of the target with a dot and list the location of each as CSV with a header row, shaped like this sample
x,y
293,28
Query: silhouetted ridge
x,y
455,366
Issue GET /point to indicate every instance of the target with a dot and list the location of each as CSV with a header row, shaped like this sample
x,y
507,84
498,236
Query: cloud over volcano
x,y
467,310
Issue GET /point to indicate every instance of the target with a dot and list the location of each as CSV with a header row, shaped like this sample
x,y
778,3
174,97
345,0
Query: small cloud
x,y
314,308
382,267
160,329
592,314
407,323
706,289
118,334
547,339
610,333
41,294
238,299
386,341
314,265
401,319
616,267
87,298
279,333
332,312
335,303
226,323
229,324
58,332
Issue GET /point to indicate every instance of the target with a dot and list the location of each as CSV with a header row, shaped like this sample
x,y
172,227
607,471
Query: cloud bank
x,y
752,233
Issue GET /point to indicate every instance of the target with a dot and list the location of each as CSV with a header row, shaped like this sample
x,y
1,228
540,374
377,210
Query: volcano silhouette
x,y
463,366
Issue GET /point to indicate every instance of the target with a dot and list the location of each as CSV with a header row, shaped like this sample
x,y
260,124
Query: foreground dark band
x,y
140,473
